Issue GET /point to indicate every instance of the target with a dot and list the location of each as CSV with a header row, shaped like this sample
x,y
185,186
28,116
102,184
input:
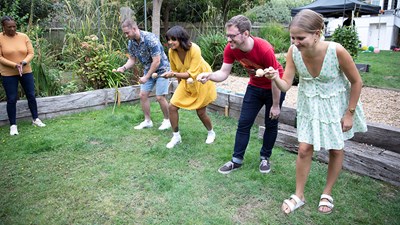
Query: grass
x,y
383,71
94,168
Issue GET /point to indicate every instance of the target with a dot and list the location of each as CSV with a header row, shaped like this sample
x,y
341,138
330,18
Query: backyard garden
x,y
93,168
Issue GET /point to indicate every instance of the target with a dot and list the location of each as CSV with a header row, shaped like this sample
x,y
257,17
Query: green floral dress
x,y
322,102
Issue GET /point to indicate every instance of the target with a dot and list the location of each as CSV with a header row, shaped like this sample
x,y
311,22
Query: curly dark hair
x,y
6,18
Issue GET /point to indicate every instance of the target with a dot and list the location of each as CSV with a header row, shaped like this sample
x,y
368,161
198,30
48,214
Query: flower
x,y
85,45
93,37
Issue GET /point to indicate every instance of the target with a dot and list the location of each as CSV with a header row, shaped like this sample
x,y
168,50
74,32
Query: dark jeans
x,y
10,84
254,99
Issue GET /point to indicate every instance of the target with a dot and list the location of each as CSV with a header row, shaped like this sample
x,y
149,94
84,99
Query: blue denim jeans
x,y
254,99
10,84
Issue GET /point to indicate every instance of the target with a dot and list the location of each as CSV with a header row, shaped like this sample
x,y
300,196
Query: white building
x,y
381,31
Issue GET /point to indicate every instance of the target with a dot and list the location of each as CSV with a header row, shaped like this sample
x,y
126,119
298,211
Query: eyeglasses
x,y
231,36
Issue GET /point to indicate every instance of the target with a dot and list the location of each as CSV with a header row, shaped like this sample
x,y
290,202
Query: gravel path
x,y
380,105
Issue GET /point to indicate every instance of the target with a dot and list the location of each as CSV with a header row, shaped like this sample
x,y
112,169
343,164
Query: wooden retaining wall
x,y
374,153
49,107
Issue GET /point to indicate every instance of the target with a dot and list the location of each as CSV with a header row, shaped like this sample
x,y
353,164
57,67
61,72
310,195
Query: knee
x,y
245,126
160,98
201,114
336,153
31,96
172,108
143,95
12,99
271,124
305,152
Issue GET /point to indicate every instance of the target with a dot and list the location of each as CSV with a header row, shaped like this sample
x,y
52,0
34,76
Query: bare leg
x,y
202,114
303,165
145,103
163,105
334,167
174,117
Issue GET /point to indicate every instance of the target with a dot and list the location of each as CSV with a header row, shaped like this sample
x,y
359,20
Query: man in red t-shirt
x,y
253,53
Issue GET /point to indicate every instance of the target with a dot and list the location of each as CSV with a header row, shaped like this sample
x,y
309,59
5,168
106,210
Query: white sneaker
x,y
13,130
38,123
174,141
144,124
210,137
166,124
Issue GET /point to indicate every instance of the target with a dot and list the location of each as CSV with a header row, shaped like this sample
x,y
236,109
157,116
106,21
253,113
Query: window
x,y
385,5
375,2
394,4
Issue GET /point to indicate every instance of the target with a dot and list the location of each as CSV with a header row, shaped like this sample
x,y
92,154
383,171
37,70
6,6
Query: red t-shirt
x,y
260,57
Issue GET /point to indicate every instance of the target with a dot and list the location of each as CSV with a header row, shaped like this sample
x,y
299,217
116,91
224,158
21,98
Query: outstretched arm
x,y
217,76
286,81
129,64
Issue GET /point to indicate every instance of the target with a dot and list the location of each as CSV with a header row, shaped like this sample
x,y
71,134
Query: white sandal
x,y
293,207
328,204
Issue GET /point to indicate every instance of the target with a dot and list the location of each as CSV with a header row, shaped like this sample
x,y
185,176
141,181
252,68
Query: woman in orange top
x,y
16,52
186,63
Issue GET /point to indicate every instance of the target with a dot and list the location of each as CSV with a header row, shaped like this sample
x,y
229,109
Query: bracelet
x,y
124,68
352,110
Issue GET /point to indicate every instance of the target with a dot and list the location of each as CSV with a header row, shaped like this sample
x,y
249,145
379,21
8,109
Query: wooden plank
x,y
65,104
360,158
380,135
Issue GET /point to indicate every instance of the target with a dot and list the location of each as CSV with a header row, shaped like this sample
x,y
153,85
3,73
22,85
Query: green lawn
x,y
94,168
384,69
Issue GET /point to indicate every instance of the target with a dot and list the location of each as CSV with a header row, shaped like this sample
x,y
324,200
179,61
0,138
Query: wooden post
x,y
226,110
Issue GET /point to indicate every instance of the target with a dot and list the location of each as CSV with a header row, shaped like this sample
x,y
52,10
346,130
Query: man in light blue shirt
x,y
146,48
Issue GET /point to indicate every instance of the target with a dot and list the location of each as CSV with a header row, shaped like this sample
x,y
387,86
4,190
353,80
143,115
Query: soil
x,y
380,105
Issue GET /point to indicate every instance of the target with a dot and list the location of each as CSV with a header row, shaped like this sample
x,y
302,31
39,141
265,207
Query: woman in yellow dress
x,y
186,63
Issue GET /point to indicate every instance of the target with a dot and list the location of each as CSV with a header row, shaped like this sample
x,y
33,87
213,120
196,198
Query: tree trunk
x,y
225,7
155,20
166,13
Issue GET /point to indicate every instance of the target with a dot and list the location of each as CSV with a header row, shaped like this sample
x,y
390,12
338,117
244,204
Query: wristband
x,y
352,110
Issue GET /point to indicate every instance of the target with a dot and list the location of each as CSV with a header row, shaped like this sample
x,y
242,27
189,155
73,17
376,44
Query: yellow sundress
x,y
195,95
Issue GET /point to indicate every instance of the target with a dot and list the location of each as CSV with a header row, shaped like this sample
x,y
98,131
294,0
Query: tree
x,y
155,19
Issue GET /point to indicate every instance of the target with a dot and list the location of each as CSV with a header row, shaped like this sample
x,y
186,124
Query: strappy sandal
x,y
292,206
328,204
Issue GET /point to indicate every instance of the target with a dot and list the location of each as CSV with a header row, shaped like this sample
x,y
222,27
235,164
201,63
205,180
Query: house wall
x,y
377,31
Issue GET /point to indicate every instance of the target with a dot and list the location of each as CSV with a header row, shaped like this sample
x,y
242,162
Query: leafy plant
x,y
47,78
274,11
277,35
212,48
94,65
348,38
239,70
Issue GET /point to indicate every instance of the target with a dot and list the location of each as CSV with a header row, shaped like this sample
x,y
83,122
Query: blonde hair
x,y
127,17
129,23
308,20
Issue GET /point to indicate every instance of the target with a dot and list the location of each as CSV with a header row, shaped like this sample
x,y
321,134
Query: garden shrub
x,y
348,38
212,48
274,11
277,35
95,63
47,78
